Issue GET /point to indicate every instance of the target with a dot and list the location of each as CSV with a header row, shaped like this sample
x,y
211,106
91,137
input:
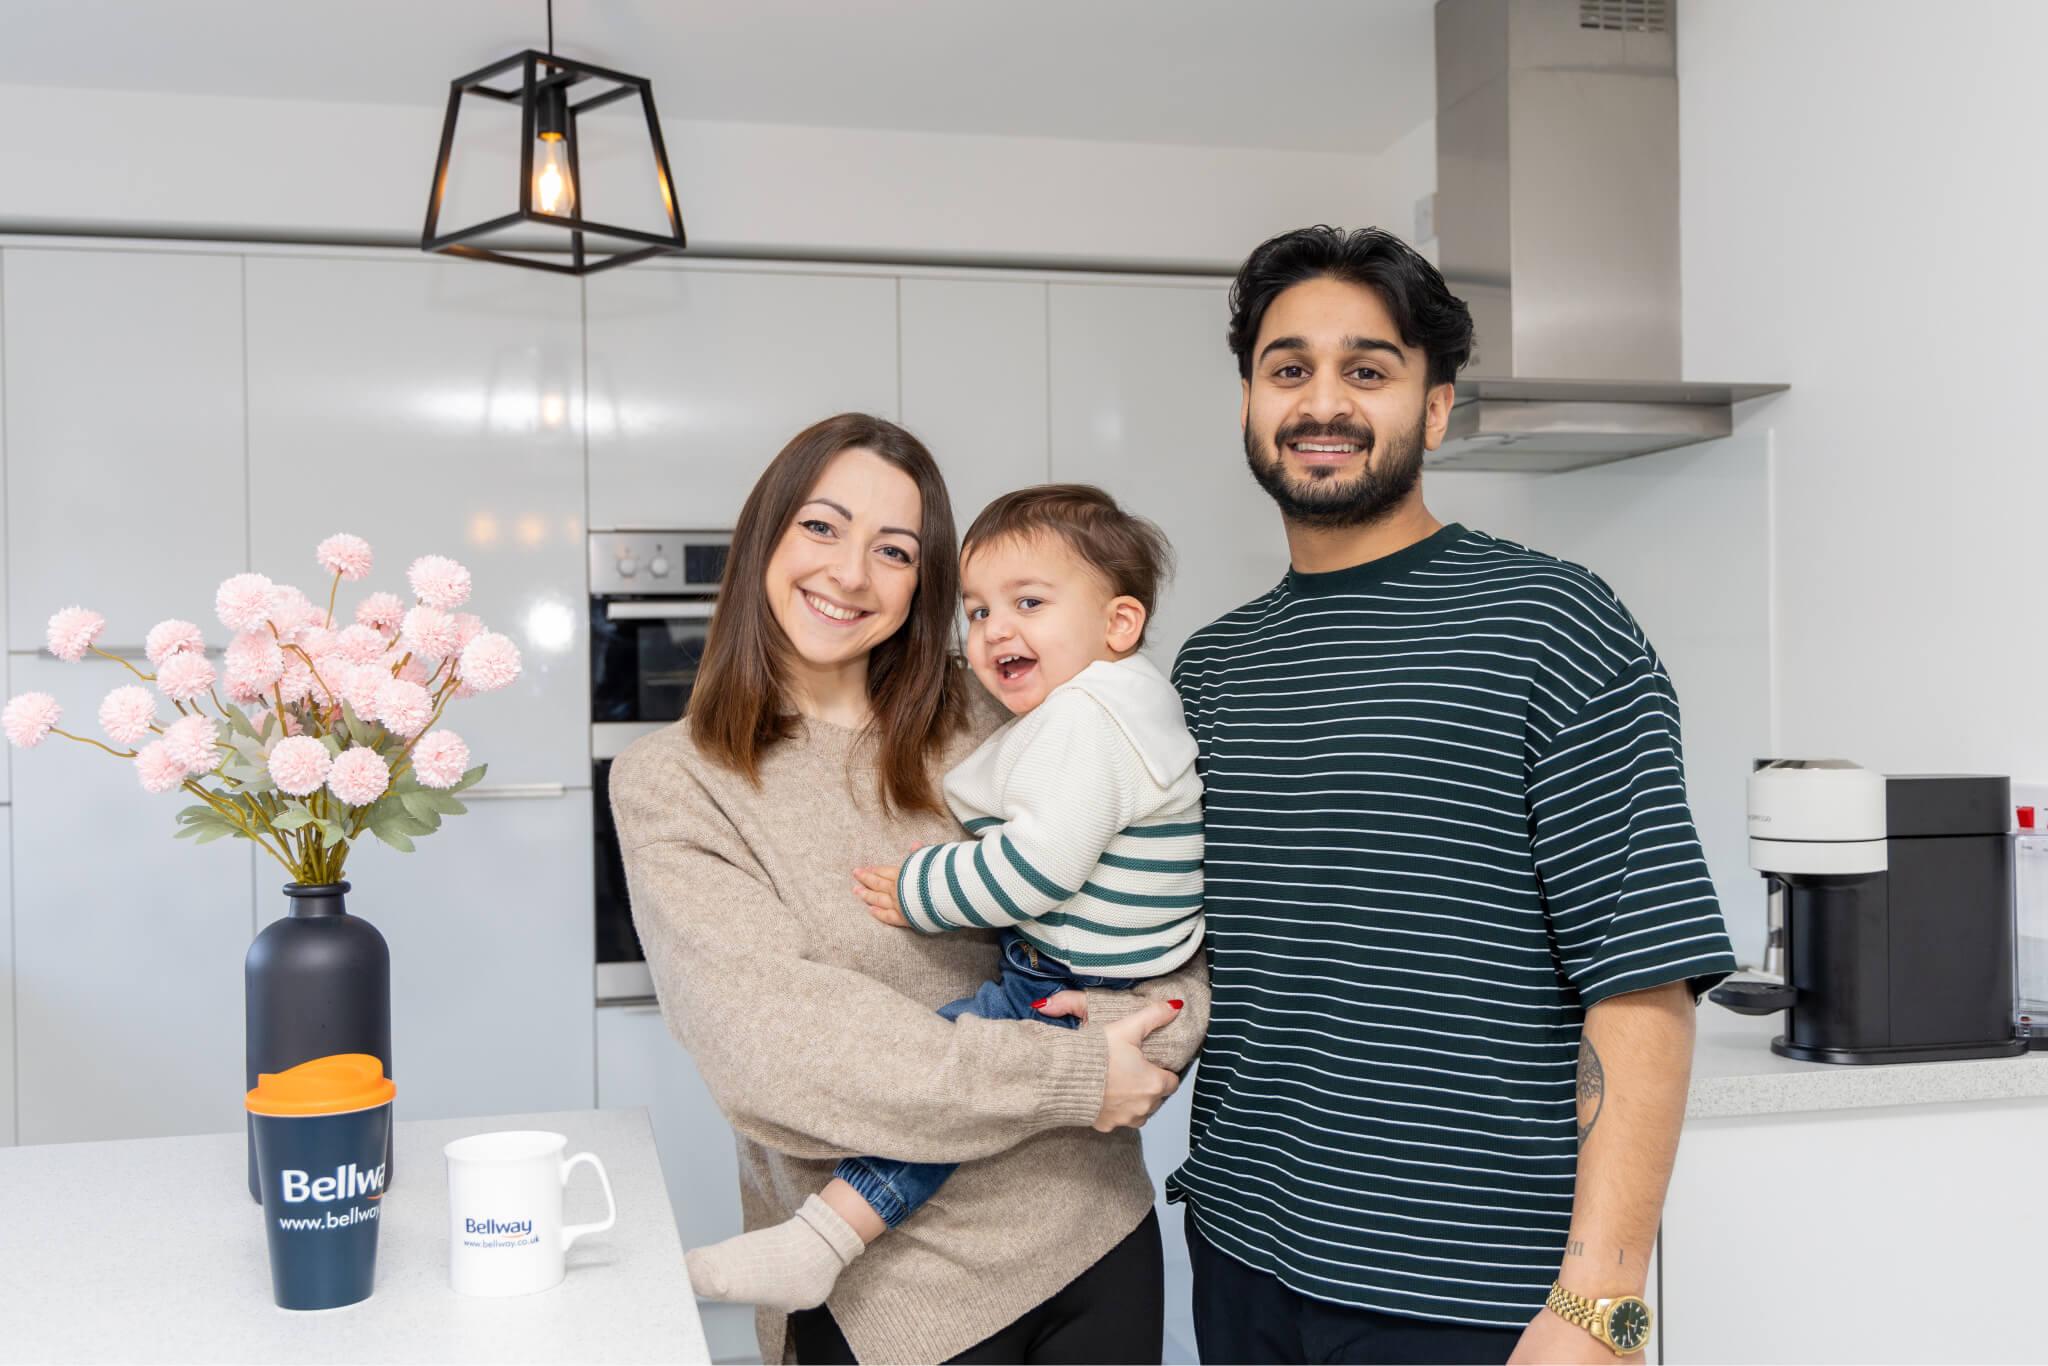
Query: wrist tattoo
x,y
1592,1088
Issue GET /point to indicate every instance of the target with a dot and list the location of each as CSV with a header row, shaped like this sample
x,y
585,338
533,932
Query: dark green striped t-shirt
x,y
1446,813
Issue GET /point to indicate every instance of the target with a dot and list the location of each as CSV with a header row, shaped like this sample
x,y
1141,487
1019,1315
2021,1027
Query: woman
x,y
827,708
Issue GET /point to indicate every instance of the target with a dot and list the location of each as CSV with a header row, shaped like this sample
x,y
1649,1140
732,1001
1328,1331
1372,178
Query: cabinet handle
x,y
512,792
669,609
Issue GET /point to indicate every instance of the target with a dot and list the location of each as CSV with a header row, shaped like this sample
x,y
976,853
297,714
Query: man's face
x,y
1338,409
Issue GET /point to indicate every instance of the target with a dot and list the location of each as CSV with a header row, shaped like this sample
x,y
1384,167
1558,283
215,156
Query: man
x,y
1458,912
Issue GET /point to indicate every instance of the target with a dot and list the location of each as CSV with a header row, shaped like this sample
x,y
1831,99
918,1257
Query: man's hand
x,y
1549,1338
877,887
1134,1088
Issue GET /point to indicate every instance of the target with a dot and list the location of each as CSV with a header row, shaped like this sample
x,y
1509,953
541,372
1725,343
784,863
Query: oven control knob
x,y
628,566
658,566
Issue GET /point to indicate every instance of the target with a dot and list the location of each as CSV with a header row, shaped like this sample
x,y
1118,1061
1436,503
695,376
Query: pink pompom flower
x,y
381,612
185,678
299,765
292,613
29,719
73,631
254,661
172,637
158,768
404,708
358,775
295,684
243,602
346,555
317,641
359,689
192,741
439,582
429,633
440,759
126,714
490,662
357,645
468,626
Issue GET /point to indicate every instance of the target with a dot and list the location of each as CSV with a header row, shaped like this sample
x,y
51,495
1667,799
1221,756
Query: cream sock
x,y
790,1266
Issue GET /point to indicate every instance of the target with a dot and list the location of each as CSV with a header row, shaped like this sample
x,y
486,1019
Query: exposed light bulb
x,y
554,192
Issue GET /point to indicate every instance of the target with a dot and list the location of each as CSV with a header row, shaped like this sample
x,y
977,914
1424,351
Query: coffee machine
x,y
1896,899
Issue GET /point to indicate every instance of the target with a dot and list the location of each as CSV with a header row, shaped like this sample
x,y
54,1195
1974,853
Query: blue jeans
x,y
895,1189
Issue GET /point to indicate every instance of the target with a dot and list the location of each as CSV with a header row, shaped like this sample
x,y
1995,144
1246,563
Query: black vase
x,y
317,982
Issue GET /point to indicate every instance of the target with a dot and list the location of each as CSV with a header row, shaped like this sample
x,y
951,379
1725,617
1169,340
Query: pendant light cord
x,y
551,28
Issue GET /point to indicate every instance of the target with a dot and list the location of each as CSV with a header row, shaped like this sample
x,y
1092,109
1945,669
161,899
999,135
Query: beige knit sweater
x,y
812,1024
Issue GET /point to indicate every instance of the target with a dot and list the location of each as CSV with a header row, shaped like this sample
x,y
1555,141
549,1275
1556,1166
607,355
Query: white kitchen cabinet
x,y
489,921
434,407
640,1064
125,469
1145,400
974,384
1900,1234
6,975
128,945
698,378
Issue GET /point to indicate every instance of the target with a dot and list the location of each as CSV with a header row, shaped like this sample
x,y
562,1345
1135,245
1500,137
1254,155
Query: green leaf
x,y
394,838
238,722
189,831
443,803
471,778
333,744
359,730
333,834
201,812
293,818
421,808
210,833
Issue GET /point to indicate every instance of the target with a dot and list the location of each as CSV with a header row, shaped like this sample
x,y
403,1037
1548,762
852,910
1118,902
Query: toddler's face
x,y
1037,614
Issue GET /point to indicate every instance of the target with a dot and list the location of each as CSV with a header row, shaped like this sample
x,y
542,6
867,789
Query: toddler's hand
x,y
877,887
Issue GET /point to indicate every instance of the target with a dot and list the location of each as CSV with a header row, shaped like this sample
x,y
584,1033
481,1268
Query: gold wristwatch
x,y
1622,1324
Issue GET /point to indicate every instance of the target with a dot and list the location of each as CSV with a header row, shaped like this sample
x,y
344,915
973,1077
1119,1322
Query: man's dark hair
x,y
1427,313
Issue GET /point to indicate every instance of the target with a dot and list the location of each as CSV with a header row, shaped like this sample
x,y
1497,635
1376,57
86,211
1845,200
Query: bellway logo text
x,y
346,1184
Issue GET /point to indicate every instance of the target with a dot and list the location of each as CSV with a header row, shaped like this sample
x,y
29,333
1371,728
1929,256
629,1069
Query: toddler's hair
x,y
1129,552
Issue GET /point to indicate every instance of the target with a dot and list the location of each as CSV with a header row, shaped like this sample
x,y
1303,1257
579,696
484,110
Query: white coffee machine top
x,y
1816,816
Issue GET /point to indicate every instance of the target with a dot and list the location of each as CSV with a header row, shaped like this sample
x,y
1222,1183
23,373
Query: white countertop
x,y
1735,1073
152,1250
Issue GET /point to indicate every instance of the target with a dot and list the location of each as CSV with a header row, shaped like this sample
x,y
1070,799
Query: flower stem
x,y
88,740
147,678
332,589
234,815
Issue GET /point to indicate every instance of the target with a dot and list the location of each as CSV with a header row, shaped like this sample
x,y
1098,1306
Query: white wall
x,y
1862,210
142,164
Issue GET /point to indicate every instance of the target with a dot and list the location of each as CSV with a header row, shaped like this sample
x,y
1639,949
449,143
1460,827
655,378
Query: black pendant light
x,y
550,179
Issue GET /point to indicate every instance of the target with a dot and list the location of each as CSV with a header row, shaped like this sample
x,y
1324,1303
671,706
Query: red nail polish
x,y
1038,1005
1176,1004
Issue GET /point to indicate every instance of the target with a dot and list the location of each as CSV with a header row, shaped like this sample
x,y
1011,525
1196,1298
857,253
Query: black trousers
x,y
1115,1311
1247,1315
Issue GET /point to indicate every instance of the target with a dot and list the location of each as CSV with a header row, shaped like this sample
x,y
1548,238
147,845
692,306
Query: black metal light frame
x,y
545,78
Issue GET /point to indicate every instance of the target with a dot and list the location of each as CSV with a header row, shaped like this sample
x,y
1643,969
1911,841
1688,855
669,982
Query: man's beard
x,y
1325,499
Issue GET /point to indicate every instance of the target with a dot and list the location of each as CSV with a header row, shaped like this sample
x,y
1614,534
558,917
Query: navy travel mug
x,y
322,1130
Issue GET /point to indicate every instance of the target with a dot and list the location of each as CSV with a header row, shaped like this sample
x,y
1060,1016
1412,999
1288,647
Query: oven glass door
x,y
644,656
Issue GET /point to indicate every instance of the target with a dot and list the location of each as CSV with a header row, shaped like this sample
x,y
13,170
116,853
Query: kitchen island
x,y
151,1250
1823,1213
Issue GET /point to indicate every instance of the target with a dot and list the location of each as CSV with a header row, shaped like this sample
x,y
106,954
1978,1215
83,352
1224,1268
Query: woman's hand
x,y
1134,1088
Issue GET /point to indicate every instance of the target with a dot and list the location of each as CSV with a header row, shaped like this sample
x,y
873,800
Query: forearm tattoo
x,y
1592,1089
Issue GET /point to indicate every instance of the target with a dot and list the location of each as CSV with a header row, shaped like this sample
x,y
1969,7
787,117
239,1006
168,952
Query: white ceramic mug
x,y
505,1233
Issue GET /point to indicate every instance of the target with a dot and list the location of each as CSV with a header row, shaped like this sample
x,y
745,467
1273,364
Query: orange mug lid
x,y
331,1085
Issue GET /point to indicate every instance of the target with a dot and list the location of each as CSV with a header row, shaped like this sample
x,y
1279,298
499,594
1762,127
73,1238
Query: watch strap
x,y
1577,1310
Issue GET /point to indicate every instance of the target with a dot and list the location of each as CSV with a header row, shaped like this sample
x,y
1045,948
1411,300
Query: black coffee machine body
x,y
1894,894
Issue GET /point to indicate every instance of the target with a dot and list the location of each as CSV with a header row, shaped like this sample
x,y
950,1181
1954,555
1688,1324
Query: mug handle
x,y
574,1231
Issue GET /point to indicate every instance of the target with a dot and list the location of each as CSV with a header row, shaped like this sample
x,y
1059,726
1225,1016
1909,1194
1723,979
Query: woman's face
x,y
842,577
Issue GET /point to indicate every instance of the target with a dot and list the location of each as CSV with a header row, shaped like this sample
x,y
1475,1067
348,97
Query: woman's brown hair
x,y
741,703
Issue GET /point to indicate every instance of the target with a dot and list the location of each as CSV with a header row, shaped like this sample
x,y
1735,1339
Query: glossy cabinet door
x,y
489,923
6,975
125,463
1145,399
974,385
640,1064
128,945
433,407
698,377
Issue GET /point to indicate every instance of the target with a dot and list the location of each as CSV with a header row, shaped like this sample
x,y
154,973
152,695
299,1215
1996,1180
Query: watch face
x,y
1628,1324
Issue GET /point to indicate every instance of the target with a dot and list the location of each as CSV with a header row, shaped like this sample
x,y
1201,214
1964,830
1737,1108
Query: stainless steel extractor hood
x,y
1557,221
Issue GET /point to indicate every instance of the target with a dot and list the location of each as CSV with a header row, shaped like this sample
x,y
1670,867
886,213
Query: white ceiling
x,y
1315,75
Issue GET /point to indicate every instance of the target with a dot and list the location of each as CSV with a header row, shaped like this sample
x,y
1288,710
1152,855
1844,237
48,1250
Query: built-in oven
x,y
651,598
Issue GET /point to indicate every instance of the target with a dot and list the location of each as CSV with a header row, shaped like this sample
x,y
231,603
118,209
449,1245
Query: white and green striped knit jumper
x,y
1087,817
